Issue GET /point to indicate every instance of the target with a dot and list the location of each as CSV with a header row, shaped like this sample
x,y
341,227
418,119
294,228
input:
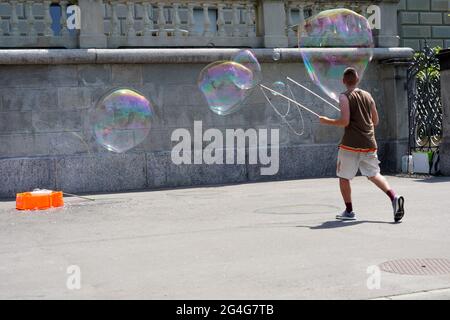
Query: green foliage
x,y
429,68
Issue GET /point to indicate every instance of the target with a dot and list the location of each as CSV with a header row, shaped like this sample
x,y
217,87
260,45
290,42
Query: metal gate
x,y
424,102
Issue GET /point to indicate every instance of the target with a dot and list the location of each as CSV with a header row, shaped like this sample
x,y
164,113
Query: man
x,y
358,148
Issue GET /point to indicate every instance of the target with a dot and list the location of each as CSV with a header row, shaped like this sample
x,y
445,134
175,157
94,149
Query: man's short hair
x,y
351,76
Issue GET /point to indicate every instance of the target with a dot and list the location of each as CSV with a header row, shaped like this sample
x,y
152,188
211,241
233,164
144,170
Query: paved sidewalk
x,y
275,240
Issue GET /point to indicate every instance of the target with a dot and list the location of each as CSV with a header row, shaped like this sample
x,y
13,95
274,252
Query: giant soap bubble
x,y
227,84
224,83
121,119
335,32
248,59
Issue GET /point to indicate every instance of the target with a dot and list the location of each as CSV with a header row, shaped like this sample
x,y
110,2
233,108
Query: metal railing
x,y
424,101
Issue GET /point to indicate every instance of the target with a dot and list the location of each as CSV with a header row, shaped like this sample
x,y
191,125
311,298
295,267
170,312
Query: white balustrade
x,y
250,20
298,10
29,23
47,19
155,23
181,23
221,20
14,21
63,19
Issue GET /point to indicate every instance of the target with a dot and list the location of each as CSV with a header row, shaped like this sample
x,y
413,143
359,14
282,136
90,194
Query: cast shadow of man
x,y
342,224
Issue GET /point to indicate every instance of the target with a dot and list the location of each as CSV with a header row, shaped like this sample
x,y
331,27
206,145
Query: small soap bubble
x,y
223,85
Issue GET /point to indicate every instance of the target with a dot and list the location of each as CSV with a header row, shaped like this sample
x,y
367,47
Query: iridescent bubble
x,y
221,83
248,59
121,119
334,32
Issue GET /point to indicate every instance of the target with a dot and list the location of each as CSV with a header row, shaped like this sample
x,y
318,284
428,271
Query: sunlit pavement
x,y
275,240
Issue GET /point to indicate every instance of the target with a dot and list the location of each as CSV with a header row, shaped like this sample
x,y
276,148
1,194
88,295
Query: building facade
x,y
424,20
47,94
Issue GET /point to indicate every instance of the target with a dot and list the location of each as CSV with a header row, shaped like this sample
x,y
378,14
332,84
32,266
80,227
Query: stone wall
x,y
445,80
424,19
46,139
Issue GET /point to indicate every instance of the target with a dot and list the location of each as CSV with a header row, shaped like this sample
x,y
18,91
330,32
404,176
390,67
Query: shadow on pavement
x,y
433,180
342,224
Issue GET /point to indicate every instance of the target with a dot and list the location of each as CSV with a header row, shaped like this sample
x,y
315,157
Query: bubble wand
x,y
77,196
288,99
305,88
289,108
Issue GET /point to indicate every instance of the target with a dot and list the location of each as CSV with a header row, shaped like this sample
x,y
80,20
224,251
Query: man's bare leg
x,y
381,183
397,201
346,191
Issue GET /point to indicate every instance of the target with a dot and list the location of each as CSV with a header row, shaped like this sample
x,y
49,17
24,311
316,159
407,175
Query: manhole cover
x,y
419,267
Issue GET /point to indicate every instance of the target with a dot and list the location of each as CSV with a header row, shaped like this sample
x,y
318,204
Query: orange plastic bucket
x,y
39,200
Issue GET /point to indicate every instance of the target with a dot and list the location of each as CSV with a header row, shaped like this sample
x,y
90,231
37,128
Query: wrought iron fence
x,y
424,101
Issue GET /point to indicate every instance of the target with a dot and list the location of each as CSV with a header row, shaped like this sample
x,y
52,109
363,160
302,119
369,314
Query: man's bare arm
x,y
344,120
374,111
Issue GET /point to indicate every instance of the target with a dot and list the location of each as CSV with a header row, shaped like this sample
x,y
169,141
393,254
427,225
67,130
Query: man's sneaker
x,y
346,216
399,208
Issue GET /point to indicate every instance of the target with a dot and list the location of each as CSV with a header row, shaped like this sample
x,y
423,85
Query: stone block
x,y
57,121
171,74
441,32
446,17
431,18
21,99
409,18
75,98
25,174
301,162
421,5
62,75
440,5
25,76
162,172
432,43
101,173
94,75
416,31
15,122
412,43
126,75
445,158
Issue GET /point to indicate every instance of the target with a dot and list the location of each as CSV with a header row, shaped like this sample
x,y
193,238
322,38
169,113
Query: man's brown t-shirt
x,y
360,133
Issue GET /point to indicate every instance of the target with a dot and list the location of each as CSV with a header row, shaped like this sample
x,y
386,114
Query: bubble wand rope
x,y
289,108
77,196
288,99
305,88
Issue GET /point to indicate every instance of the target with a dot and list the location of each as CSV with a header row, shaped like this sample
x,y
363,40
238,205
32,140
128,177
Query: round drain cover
x,y
419,267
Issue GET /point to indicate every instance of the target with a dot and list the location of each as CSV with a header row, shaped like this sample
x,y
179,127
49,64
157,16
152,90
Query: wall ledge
x,y
173,56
